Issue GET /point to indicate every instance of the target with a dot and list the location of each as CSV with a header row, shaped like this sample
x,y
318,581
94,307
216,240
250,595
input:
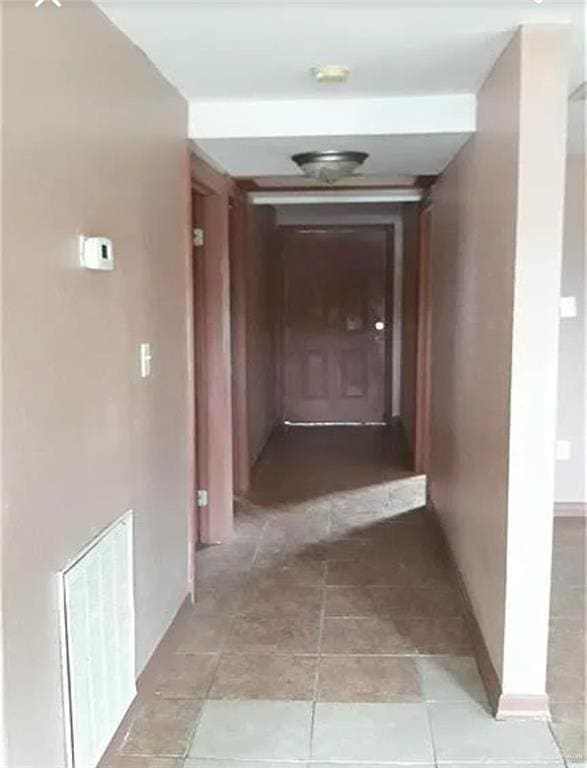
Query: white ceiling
x,y
244,66
388,155
263,49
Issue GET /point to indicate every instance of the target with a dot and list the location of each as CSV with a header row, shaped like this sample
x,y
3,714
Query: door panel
x,y
315,373
334,357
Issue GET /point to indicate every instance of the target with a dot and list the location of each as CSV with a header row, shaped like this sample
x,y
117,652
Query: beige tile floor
x,y
328,632
567,651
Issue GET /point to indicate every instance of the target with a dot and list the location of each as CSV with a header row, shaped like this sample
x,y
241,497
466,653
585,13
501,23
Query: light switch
x,y
145,357
568,306
563,450
96,253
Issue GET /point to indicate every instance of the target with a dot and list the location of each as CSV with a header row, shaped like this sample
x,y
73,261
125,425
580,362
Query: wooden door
x,y
334,325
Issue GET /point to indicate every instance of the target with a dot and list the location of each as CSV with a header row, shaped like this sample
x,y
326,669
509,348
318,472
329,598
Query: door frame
x,y
423,346
192,423
390,303
210,194
238,245
282,235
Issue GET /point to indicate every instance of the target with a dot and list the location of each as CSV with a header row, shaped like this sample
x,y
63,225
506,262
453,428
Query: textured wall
x,y
409,326
473,251
93,143
262,263
571,476
496,255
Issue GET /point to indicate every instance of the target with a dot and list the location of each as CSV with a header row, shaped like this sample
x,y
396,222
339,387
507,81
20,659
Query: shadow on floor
x,y
307,463
329,630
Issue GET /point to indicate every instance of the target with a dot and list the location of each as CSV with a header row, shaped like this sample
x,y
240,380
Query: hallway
x,y
263,231
328,631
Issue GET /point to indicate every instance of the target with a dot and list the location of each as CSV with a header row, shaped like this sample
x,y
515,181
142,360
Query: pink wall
x,y
485,236
473,251
94,142
3,729
545,54
262,260
410,293
571,476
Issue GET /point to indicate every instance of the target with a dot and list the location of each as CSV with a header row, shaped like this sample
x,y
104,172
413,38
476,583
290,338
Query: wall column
x,y
544,82
497,232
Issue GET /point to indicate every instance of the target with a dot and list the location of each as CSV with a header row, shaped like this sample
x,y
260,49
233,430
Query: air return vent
x,y
98,636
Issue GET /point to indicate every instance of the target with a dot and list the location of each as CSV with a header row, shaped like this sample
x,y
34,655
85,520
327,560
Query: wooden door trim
x,y
422,382
239,237
207,180
309,228
390,258
213,359
191,426
280,237
201,394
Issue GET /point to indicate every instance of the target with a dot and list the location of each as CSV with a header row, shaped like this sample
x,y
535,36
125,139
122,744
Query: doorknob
x,y
379,325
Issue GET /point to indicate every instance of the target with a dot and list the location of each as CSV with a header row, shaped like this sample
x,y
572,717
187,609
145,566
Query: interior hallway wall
x,y
409,325
262,263
3,725
496,250
94,142
571,476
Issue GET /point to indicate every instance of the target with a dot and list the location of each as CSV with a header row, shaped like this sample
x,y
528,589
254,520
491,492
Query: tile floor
x,y
568,640
328,632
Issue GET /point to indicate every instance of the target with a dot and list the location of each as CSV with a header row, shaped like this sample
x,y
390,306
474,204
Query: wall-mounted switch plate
x,y
563,450
96,253
568,307
202,498
145,359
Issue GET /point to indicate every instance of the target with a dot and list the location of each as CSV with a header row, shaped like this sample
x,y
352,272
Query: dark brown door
x,y
334,337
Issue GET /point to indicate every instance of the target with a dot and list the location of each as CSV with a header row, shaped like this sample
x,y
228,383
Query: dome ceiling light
x,y
331,166
330,73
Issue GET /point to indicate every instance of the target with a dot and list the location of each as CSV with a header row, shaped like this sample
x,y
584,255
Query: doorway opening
x,y
213,503
334,301
309,318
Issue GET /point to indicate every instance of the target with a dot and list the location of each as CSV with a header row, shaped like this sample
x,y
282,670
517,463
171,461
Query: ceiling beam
x,y
404,115
407,195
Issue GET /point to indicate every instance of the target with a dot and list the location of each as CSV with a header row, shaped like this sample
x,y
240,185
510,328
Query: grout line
x,y
231,622
260,542
557,742
313,654
319,647
324,564
426,704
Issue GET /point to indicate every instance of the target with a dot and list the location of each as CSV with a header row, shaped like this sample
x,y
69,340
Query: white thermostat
x,y
96,253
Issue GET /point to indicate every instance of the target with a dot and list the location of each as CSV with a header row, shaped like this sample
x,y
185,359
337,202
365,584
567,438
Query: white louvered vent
x,y
99,641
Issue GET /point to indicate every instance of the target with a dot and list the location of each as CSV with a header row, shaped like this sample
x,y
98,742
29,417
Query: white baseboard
x,y
511,707
570,509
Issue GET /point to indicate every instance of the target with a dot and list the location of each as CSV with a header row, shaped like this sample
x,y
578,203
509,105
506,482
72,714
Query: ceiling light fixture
x,y
331,166
330,73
